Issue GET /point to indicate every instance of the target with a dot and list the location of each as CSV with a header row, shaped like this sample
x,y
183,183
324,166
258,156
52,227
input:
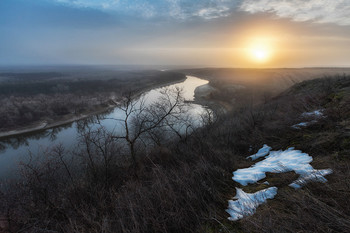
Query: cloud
x,y
176,9
212,13
319,11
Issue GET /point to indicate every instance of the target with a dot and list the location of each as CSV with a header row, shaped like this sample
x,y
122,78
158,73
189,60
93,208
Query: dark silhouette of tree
x,y
142,120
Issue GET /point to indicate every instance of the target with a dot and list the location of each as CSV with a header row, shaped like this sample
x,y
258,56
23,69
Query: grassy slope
x,y
235,86
316,207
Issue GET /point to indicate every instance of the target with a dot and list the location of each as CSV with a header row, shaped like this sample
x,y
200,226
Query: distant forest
x,y
29,98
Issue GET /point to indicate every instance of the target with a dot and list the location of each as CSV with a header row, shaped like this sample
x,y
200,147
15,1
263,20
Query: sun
x,y
260,49
260,54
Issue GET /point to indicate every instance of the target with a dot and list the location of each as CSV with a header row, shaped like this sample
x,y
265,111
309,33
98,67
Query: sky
x,y
210,33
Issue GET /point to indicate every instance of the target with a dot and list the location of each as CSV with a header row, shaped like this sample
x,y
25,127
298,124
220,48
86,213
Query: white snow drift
x,y
274,162
265,150
317,114
247,203
279,162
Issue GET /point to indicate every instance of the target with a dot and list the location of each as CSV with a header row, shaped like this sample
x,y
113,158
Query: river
x,y
17,148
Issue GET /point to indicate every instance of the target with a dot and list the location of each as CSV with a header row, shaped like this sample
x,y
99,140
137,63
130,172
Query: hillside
x,y
317,207
233,86
185,186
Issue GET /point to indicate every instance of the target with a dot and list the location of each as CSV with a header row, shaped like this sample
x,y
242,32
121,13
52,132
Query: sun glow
x,y
260,49
260,54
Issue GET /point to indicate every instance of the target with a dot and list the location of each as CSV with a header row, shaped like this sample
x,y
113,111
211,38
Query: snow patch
x,y
299,125
279,162
261,153
316,113
274,162
315,175
246,203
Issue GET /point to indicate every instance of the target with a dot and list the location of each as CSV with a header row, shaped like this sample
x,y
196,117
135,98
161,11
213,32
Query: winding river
x,y
17,148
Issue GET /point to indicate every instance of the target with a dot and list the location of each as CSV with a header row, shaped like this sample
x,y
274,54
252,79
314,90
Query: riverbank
x,y
203,97
70,118
44,125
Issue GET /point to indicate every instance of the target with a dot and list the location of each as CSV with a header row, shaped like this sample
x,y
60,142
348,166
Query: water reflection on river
x,y
15,149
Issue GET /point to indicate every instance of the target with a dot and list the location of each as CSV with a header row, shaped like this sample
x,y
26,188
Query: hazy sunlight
x,y
259,54
139,110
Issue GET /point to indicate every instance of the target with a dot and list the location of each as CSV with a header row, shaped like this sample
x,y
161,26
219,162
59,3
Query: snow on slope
x,y
274,162
247,203
279,162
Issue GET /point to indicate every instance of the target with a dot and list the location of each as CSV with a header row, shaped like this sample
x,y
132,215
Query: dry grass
x,y
184,187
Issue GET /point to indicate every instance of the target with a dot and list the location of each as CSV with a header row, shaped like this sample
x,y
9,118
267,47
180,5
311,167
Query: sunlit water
x,y
15,149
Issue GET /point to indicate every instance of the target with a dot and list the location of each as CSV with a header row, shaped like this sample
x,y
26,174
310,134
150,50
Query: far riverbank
x,y
70,118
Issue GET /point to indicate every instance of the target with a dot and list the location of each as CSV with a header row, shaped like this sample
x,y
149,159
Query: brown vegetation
x,y
234,86
184,185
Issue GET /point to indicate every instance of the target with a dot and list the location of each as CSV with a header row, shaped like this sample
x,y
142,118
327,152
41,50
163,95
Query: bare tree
x,y
99,152
209,116
145,119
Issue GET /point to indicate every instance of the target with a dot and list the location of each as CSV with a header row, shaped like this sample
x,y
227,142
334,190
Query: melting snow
x,y
274,162
261,153
246,203
278,162
301,124
316,113
315,175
